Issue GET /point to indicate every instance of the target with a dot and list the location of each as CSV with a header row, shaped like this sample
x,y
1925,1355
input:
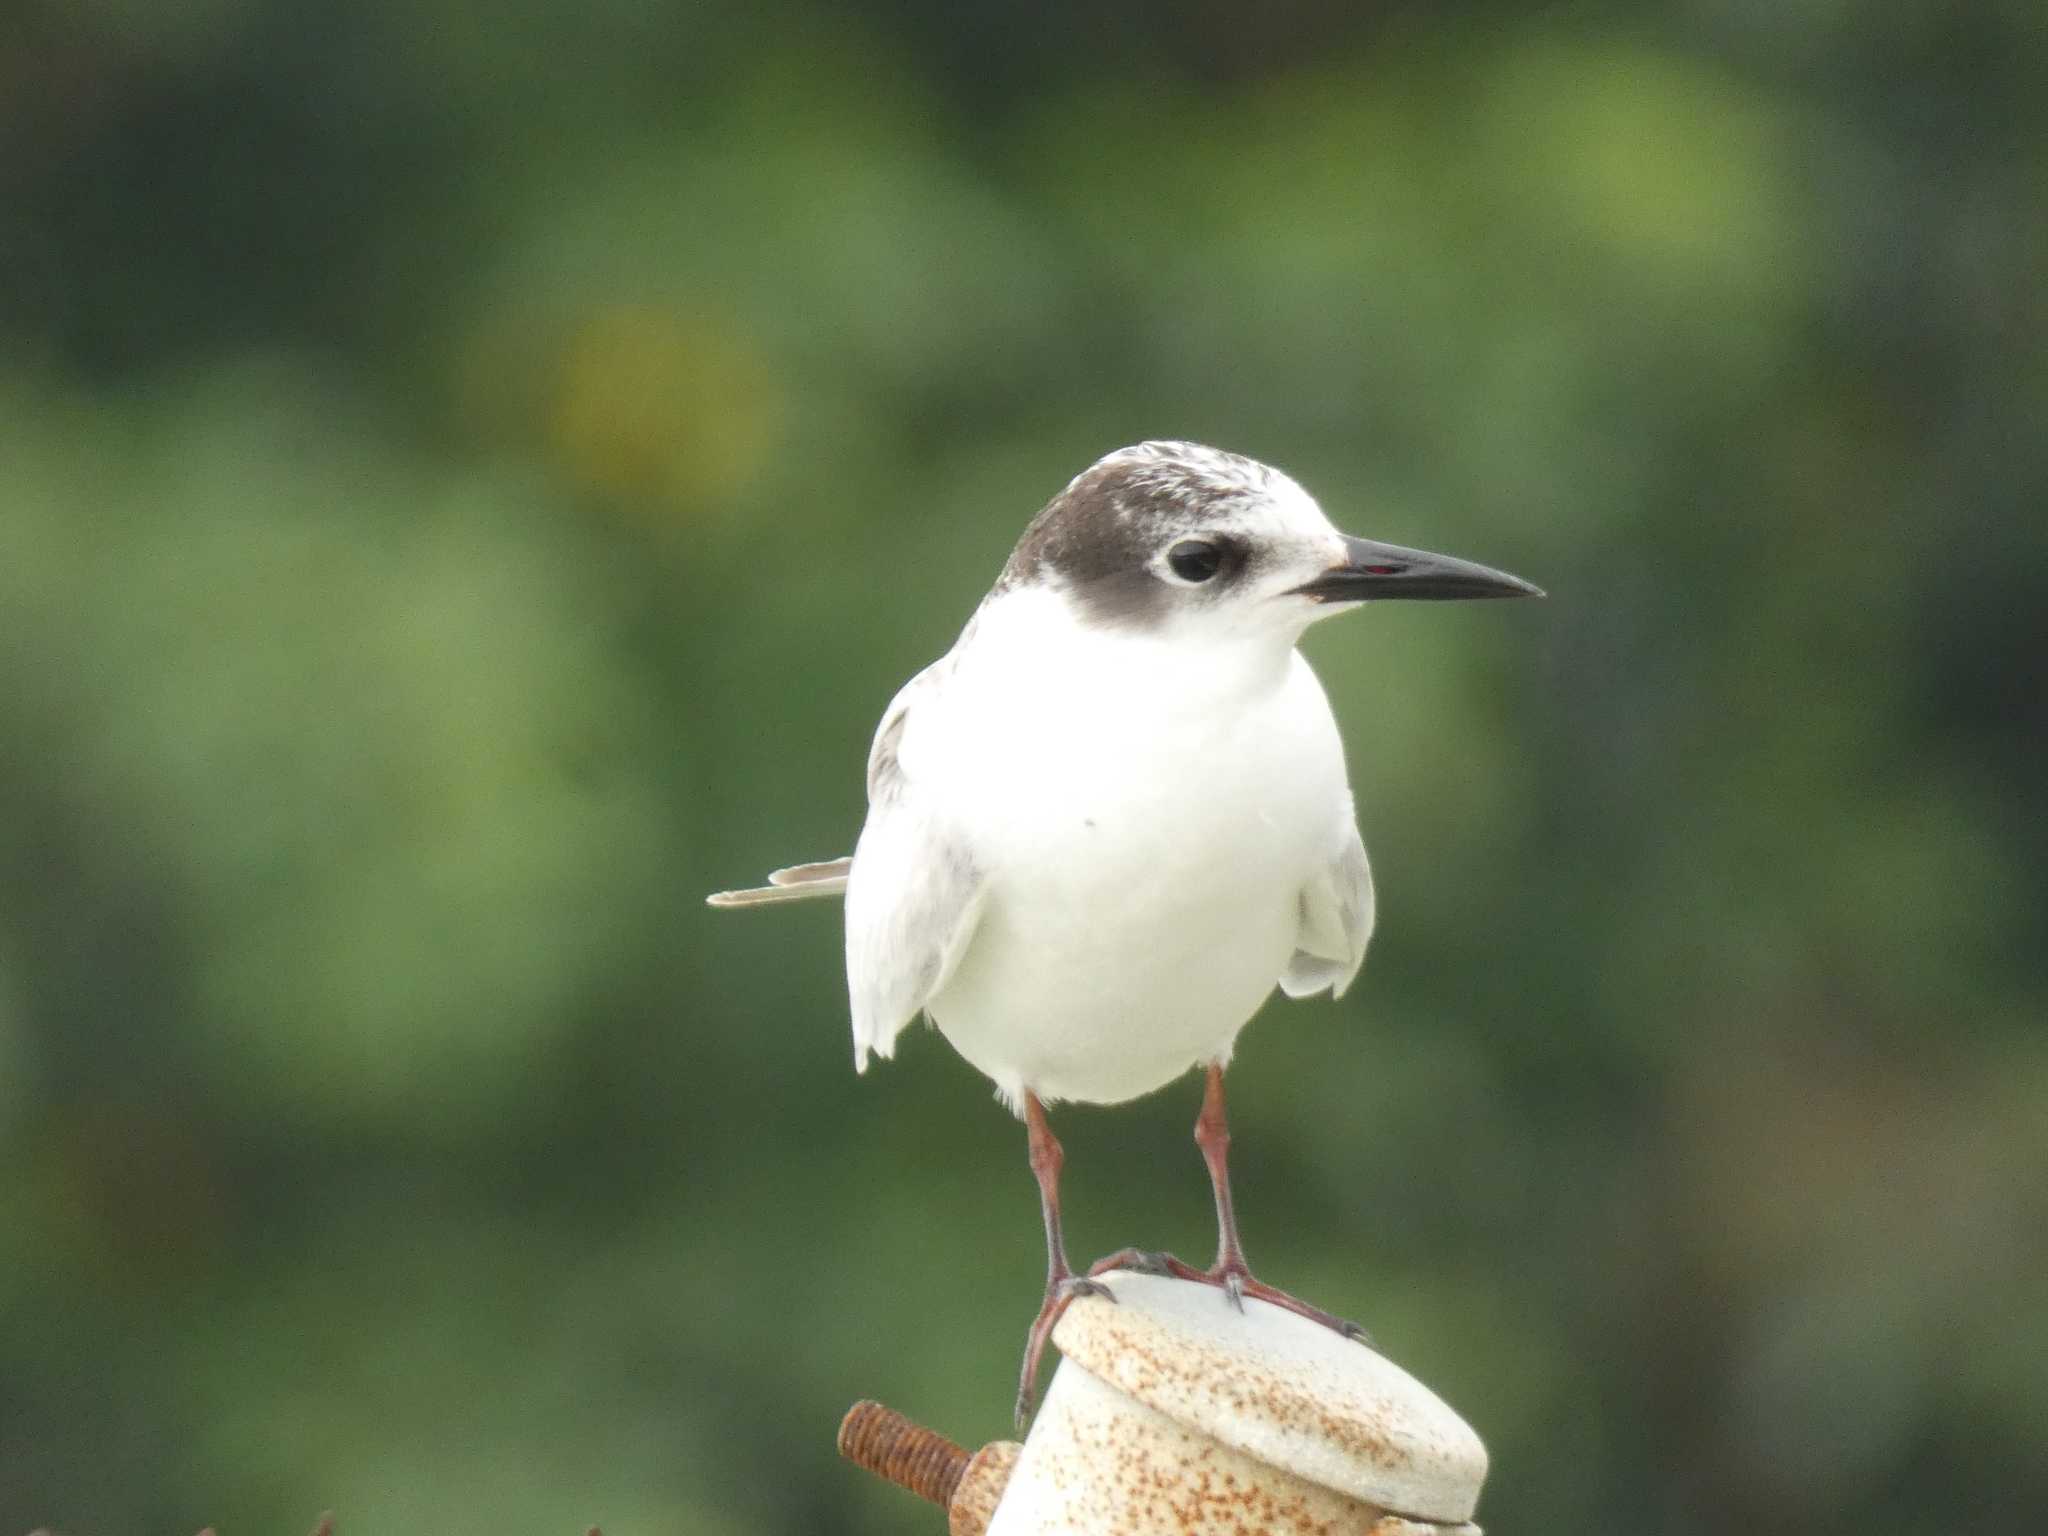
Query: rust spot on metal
x,y
1172,1416
1289,1395
981,1488
906,1453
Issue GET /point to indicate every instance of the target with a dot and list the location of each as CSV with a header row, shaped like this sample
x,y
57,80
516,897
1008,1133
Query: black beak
x,y
1372,572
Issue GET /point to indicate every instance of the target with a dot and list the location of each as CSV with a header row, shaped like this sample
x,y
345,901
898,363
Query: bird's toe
x,y
1357,1335
1136,1261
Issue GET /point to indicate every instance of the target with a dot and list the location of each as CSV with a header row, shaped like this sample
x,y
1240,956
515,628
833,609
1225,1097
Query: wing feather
x,y
913,895
1337,911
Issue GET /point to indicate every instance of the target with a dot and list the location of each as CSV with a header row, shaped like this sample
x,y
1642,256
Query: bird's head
x,y
1172,537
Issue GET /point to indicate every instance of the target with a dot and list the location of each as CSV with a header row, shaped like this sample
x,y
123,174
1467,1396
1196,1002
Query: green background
x,y
471,476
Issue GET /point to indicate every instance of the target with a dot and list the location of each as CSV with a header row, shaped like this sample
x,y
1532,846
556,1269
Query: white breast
x,y
1147,815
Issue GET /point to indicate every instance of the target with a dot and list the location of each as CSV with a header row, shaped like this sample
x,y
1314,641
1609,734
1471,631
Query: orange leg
x,y
1062,1285
1230,1272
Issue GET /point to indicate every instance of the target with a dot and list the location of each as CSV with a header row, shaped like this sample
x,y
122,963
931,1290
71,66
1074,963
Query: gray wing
x,y
914,892
1336,920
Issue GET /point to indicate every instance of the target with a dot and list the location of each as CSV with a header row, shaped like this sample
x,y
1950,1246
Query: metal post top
x,y
1281,1389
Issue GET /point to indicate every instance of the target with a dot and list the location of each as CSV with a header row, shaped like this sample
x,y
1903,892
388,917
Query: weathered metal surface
x,y
924,1461
1173,1412
981,1488
1098,1462
902,1451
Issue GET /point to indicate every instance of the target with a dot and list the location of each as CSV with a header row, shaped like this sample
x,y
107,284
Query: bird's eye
x,y
1195,559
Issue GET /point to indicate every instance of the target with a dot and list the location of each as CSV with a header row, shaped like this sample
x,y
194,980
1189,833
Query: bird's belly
x,y
1106,965
1145,850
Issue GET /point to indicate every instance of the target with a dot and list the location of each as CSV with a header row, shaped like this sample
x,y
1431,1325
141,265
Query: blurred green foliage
x,y
471,476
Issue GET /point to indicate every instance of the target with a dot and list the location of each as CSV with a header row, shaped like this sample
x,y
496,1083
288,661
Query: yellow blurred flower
x,y
662,408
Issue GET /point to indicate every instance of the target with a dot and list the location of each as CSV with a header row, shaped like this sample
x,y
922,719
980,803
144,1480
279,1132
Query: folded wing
x,y
1336,920
914,892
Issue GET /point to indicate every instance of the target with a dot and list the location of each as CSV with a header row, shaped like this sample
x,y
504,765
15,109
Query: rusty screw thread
x,y
907,1454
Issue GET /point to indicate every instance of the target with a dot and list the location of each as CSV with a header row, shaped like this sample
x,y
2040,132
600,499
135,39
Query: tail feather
x,y
799,882
808,874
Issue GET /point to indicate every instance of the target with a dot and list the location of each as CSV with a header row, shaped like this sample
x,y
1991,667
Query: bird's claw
x,y
1238,1284
1059,1295
1076,1286
1135,1261
1233,1289
1235,1282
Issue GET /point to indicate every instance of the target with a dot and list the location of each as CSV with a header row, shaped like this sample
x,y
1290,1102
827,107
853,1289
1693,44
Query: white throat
x,y
1031,643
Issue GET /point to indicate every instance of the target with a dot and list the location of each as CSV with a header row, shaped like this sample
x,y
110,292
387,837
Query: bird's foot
x,y
1238,1282
1059,1295
1143,1261
1235,1281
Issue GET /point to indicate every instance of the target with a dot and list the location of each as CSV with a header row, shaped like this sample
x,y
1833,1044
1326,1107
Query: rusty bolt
x,y
907,1454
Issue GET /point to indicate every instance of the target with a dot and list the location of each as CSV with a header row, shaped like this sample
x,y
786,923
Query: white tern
x,y
1106,824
